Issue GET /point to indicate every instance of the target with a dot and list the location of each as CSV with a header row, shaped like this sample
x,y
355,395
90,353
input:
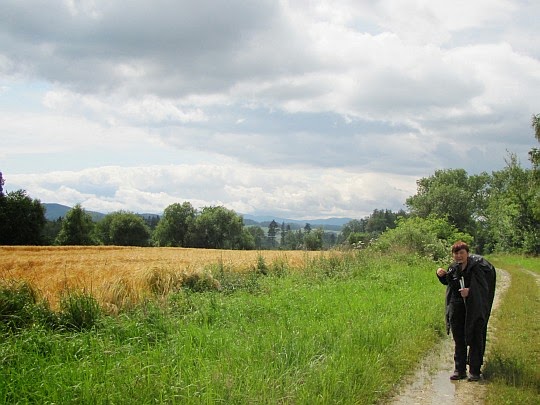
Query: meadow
x,y
260,327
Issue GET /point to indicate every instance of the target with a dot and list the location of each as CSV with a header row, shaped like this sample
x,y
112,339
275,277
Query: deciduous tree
x,y
77,228
451,194
175,225
21,219
217,227
123,228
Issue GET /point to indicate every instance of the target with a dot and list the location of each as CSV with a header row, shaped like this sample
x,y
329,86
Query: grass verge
x,y
513,368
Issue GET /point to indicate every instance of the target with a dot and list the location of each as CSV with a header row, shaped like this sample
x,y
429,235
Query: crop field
x,y
115,274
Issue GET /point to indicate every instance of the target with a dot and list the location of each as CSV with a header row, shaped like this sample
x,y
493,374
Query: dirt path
x,y
431,383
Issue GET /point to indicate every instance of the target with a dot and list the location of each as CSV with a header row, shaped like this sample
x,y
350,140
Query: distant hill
x,y
54,211
326,223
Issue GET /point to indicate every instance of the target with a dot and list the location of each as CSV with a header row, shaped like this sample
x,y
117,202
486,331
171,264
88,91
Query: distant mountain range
x,y
54,211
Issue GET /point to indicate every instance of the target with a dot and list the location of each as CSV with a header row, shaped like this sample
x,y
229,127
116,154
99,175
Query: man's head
x,y
460,252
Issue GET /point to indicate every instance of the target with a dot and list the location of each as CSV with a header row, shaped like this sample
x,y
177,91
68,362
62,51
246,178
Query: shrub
x,y
431,237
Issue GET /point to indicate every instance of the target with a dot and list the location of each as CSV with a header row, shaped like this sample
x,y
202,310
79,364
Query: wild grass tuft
x,y
280,267
17,302
79,311
20,307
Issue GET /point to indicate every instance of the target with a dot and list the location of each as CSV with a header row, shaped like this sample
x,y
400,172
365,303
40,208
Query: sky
x,y
296,109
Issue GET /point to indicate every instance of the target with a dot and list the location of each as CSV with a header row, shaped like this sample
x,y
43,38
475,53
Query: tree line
x,y
497,212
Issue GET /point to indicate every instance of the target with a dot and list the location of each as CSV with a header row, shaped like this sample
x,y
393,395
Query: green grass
x,y
342,331
513,366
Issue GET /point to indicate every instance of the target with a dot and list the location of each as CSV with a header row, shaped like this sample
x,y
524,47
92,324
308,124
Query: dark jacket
x,y
481,284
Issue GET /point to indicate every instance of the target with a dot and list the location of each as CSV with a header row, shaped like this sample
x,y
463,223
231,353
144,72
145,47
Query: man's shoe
x,y
458,375
474,377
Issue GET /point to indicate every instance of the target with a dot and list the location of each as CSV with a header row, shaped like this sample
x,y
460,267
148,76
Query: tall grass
x,y
343,330
514,362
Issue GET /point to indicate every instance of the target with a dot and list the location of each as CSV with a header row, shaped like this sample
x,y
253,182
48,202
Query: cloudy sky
x,y
301,109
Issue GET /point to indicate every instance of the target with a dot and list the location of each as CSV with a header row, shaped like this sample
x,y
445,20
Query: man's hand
x,y
464,292
441,272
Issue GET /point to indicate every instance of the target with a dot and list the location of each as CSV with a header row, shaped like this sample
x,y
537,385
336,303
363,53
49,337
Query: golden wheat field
x,y
118,276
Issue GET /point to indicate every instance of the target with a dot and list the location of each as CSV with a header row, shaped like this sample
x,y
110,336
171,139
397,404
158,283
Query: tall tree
x,y
175,225
354,226
123,228
21,219
217,228
451,194
534,153
272,232
313,240
257,234
512,215
77,228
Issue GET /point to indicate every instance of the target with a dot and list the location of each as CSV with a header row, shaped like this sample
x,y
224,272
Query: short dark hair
x,y
456,247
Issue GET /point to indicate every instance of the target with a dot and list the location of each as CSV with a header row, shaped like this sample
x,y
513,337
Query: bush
x,y
430,237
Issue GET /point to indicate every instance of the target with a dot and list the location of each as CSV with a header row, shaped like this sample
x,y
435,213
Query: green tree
x,y
451,194
353,227
283,233
381,220
294,240
257,233
77,228
534,153
272,232
21,219
217,227
247,240
51,231
175,225
512,216
123,228
313,240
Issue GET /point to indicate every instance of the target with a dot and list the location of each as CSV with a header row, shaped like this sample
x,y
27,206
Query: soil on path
x,y
431,383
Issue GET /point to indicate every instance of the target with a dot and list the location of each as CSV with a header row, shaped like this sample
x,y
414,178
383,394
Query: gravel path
x,y
431,383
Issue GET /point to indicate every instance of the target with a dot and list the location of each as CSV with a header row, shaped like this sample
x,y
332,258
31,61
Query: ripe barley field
x,y
113,273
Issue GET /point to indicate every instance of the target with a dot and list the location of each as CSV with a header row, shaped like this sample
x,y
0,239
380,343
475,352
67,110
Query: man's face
x,y
460,256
